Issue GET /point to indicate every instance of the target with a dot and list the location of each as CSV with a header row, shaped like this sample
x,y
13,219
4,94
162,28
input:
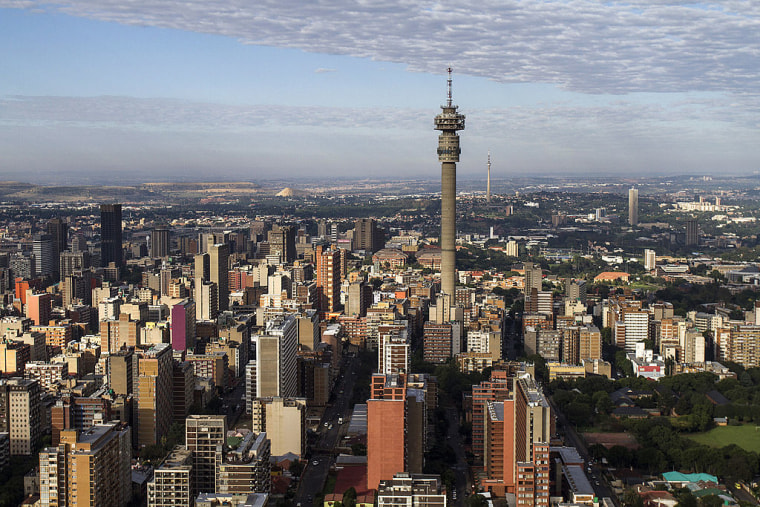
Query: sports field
x,y
745,436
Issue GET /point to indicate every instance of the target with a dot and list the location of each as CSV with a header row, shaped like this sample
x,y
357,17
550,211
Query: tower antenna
x,y
448,83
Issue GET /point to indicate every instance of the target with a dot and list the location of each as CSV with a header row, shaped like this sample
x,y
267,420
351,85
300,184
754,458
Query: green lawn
x,y
745,436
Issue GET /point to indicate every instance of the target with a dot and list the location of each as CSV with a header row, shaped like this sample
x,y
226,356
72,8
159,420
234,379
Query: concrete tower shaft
x,y
448,122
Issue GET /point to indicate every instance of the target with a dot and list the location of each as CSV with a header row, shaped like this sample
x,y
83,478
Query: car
x,y
315,462
327,424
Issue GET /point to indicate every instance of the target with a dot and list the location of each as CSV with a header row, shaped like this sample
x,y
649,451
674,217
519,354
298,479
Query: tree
x,y
349,497
476,501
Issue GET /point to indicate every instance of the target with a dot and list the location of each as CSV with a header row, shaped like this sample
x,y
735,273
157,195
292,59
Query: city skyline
x,y
171,92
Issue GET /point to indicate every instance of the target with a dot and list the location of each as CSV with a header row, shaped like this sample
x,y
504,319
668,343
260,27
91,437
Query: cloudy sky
x,y
145,90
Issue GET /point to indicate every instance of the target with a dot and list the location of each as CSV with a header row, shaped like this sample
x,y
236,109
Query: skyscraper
x,y
159,242
45,262
448,122
219,255
328,280
154,393
206,436
367,236
59,232
110,234
633,206
89,467
692,232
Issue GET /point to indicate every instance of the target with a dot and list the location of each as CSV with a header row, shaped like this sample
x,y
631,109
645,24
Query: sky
x,y
128,91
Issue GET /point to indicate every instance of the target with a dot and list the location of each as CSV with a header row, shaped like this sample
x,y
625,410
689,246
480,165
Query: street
x,y
323,454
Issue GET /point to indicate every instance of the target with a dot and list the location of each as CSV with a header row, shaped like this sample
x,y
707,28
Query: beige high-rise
x,y
21,414
153,392
206,436
91,467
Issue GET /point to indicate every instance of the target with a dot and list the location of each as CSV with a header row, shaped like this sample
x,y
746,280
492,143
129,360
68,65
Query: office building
x,y
58,230
576,291
533,278
110,235
39,307
45,261
284,422
183,325
172,483
206,436
160,242
368,236
448,123
282,242
633,207
21,414
90,467
219,255
692,232
276,359
206,301
153,393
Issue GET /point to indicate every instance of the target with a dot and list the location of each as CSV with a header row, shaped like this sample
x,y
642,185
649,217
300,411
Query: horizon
x,y
114,92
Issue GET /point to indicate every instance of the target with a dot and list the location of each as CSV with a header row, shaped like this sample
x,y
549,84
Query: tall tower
x,y
110,234
448,122
633,206
488,185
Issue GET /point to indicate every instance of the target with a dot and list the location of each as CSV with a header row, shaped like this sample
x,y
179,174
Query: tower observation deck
x,y
448,122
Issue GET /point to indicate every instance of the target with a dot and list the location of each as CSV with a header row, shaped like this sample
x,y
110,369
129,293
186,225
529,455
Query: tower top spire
x,y
448,83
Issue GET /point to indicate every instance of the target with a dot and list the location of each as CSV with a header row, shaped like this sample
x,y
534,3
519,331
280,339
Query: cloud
x,y
581,45
177,138
322,70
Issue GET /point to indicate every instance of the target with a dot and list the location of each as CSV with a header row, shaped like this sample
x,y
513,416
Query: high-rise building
x,y
284,421
448,122
328,280
282,242
219,255
512,249
517,434
692,232
636,327
533,278
206,436
110,235
650,259
172,482
39,308
183,325
359,299
386,429
368,236
246,468
91,467
153,393
21,414
160,245
437,340
633,206
206,301
575,290
276,359
45,261
121,372
59,231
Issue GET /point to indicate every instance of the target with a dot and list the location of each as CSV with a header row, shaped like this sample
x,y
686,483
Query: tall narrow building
x,y
488,184
448,122
633,206
219,255
110,234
